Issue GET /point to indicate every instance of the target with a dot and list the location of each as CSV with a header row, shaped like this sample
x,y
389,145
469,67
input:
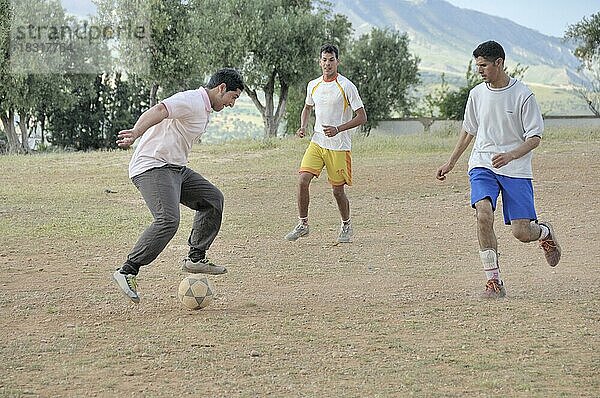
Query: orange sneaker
x,y
494,289
550,246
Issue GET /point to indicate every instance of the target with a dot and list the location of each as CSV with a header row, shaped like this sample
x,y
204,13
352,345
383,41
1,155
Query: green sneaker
x,y
128,285
298,231
345,235
202,267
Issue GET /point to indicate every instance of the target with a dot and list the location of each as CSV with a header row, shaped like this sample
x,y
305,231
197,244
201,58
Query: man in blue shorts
x,y
505,119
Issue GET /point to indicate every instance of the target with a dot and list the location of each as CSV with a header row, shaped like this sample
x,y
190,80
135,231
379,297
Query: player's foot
x,y
550,246
298,231
202,267
345,235
494,289
128,285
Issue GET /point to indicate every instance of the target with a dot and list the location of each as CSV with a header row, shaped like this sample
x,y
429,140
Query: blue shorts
x,y
517,193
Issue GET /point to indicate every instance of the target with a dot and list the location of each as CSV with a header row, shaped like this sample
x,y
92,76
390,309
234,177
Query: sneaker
x,y
298,231
345,235
128,285
494,289
550,246
202,267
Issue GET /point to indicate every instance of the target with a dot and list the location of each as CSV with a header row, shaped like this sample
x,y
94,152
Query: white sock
x,y
489,259
303,220
346,222
545,232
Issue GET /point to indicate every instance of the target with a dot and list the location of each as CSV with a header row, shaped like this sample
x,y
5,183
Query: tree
x,y
451,104
23,92
167,55
384,70
586,34
270,41
96,108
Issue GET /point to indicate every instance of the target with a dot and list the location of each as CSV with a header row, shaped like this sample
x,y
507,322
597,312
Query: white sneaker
x,y
298,231
128,285
345,235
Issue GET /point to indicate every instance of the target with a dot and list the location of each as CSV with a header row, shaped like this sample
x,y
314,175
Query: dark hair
x,y
489,50
329,48
231,77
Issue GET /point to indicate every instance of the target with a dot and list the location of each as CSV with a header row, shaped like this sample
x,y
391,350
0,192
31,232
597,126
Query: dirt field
x,y
395,313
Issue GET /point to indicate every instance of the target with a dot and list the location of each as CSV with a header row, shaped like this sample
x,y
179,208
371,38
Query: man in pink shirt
x,y
158,170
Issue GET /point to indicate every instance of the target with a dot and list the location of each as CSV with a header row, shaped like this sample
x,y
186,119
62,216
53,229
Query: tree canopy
x,y
586,34
384,70
274,43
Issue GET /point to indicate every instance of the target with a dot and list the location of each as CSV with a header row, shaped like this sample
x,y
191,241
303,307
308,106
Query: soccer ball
x,y
196,292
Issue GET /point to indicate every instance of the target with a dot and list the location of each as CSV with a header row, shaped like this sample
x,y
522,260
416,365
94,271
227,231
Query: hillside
x,y
444,36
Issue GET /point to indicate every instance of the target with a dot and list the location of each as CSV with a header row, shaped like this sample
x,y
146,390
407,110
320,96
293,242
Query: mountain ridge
x,y
444,36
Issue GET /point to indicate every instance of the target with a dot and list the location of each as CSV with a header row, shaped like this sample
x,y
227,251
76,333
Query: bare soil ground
x,y
395,313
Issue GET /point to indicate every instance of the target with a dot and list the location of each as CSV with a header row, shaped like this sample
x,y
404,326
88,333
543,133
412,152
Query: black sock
x,y
196,255
130,268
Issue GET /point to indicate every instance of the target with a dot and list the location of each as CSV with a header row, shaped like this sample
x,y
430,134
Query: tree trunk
x,y
153,92
283,94
268,116
23,124
8,120
271,117
43,128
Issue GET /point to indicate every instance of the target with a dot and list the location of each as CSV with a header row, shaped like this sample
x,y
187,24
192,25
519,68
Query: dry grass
x,y
396,313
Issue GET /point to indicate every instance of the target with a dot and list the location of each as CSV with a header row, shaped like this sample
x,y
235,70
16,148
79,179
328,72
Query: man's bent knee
x,y
521,230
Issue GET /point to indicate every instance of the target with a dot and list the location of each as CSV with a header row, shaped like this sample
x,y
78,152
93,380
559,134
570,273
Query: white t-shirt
x,y
334,103
501,120
170,141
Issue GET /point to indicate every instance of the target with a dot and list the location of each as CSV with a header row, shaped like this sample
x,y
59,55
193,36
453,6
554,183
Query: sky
x,y
79,7
550,17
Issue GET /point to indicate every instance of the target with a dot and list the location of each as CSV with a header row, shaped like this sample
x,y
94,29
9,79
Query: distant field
x,y
559,101
396,313
245,122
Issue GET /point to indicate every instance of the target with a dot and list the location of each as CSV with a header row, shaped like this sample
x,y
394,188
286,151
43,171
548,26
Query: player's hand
x,y
301,132
443,170
126,138
330,131
502,159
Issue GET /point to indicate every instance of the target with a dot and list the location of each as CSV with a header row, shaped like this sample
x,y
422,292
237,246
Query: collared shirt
x,y
170,141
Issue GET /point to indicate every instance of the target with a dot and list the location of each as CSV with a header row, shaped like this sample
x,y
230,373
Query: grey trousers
x,y
163,189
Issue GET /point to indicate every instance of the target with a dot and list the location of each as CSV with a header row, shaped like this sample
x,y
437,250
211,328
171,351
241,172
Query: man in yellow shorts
x,y
338,112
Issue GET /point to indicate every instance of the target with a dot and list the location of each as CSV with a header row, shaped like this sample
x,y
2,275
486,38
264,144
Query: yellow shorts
x,y
338,163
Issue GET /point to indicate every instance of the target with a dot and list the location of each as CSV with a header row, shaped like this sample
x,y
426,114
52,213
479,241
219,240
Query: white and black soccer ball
x,y
196,292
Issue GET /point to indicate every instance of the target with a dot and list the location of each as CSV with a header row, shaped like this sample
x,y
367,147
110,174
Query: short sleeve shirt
x,y
501,120
334,103
170,141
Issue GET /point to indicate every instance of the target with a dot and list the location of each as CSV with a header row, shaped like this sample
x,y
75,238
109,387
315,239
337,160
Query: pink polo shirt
x,y
170,141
